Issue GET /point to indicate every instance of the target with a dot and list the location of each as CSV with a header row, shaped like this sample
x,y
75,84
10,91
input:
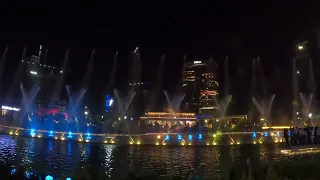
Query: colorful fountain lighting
x,y
50,133
167,138
10,133
266,134
69,135
200,136
254,134
179,137
88,136
278,134
48,177
158,136
190,137
32,132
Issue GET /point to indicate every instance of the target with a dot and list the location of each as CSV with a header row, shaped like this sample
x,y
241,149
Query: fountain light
x,y
254,134
158,136
105,141
200,136
276,141
260,142
254,142
69,135
55,137
10,133
182,144
87,140
48,177
214,143
130,142
39,136
157,143
266,134
32,132
300,47
208,144
179,137
80,139
16,134
214,135
112,141
62,138
50,133
138,142
238,142
167,138
189,144
164,144
190,137
231,143
278,134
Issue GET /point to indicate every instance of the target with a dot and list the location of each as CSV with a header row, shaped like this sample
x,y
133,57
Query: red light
x,y
207,92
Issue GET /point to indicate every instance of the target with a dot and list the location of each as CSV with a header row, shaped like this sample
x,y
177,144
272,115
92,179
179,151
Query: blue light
x,y
68,178
88,136
28,174
13,171
48,177
50,133
32,132
167,137
69,135
200,136
278,134
266,134
190,137
109,102
289,133
254,134
179,137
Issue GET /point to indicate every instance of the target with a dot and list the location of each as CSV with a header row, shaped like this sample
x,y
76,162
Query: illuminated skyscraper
x,y
200,86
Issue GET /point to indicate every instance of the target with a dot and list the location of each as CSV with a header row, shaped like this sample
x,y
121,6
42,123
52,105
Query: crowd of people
x,y
302,136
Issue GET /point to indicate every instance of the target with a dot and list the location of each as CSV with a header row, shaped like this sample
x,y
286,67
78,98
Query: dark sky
x,y
240,30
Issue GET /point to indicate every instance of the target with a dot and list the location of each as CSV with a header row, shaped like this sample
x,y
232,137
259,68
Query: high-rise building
x,y
200,87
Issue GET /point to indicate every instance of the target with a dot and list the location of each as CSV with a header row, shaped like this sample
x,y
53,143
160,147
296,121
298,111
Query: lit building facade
x,y
200,87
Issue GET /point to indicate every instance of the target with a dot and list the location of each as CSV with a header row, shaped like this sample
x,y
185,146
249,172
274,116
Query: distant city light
x,y
10,108
33,72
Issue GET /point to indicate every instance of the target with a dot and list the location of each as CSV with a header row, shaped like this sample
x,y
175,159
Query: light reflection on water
x,y
63,157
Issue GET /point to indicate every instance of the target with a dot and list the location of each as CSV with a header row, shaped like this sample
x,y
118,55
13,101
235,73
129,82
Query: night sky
x,y
241,31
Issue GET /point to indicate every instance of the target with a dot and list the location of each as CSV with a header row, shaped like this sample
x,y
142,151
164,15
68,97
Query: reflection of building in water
x,y
168,120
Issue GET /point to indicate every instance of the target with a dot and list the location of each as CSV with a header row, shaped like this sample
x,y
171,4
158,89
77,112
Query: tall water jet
x,y
295,92
306,108
264,108
89,70
18,75
224,102
2,63
112,74
73,105
28,98
123,105
59,83
175,102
